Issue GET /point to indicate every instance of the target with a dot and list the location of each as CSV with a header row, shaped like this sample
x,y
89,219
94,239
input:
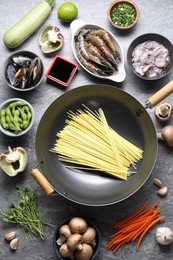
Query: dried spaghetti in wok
x,y
87,142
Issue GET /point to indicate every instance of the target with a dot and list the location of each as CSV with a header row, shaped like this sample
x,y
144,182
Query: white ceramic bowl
x,y
78,25
11,133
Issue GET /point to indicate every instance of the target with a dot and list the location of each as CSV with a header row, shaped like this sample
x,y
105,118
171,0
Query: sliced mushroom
x,y
78,225
65,233
89,236
84,254
166,135
163,112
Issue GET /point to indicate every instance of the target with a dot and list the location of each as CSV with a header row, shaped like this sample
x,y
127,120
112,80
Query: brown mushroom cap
x,y
64,232
89,235
64,250
84,254
167,135
74,241
78,225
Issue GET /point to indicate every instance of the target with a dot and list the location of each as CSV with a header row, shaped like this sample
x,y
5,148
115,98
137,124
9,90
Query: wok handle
x,y
160,95
42,181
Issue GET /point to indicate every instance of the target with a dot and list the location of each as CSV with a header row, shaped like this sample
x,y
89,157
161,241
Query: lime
x,y
67,12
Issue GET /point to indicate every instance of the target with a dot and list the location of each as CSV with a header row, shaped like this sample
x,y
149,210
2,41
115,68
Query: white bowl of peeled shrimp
x,y
97,51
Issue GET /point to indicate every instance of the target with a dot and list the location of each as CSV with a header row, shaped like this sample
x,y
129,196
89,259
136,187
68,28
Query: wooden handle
x,y
161,94
42,181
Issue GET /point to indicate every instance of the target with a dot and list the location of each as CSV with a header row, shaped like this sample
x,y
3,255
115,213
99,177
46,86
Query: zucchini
x,y
22,30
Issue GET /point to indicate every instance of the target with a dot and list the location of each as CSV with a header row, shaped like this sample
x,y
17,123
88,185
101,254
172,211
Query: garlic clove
x,y
10,235
14,243
163,191
157,182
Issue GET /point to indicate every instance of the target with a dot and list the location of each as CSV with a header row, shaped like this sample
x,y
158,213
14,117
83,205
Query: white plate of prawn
x,y
97,51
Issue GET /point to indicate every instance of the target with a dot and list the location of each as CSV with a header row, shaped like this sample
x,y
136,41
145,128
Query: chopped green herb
x,y
123,15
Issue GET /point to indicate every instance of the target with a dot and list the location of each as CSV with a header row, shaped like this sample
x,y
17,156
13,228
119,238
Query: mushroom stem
x,y
65,233
159,137
163,112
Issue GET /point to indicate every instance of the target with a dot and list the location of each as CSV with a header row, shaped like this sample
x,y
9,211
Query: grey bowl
x,y
10,133
30,55
91,224
150,37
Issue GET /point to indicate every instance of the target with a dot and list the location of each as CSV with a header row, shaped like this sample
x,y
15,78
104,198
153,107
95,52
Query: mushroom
x,y
65,252
166,135
163,112
84,254
75,242
65,233
78,225
89,236
164,235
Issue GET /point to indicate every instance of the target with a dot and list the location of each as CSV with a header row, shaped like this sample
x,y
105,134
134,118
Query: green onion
x,y
123,15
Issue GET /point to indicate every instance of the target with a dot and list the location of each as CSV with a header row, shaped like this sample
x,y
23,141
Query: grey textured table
x,y
155,16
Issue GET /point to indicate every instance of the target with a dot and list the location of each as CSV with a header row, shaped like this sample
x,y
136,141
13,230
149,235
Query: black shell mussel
x,y
23,72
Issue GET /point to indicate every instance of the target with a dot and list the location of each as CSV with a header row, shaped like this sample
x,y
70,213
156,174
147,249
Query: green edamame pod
x,y
29,116
16,118
16,104
12,127
26,109
3,119
22,113
9,113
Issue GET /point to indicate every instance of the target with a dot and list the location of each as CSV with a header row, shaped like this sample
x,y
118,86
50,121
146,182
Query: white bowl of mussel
x,y
23,70
16,117
97,51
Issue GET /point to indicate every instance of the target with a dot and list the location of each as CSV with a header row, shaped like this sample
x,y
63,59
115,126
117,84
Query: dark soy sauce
x,y
61,70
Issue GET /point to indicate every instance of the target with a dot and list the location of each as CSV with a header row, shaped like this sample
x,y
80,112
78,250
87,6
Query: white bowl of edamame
x,y
16,117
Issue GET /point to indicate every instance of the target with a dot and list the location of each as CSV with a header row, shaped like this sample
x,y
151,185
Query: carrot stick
x,y
145,231
118,246
132,215
135,225
146,224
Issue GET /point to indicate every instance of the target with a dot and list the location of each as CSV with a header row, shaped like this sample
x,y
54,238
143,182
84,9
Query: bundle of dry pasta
x,y
87,142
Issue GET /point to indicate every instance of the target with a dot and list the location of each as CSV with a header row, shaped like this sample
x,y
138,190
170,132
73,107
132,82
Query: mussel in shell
x,y
23,72
11,72
22,60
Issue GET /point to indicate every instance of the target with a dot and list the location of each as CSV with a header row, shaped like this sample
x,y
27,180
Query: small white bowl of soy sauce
x,y
61,71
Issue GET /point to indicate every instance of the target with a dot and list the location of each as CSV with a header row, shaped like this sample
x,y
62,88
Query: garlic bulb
x,y
164,235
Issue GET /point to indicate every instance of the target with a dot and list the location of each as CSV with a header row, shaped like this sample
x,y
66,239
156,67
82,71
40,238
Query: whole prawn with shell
x,y
97,52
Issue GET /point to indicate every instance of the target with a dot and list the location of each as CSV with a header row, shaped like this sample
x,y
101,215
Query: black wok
x,y
125,115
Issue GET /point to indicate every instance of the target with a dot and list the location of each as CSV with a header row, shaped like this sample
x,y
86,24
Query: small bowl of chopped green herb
x,y
123,14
